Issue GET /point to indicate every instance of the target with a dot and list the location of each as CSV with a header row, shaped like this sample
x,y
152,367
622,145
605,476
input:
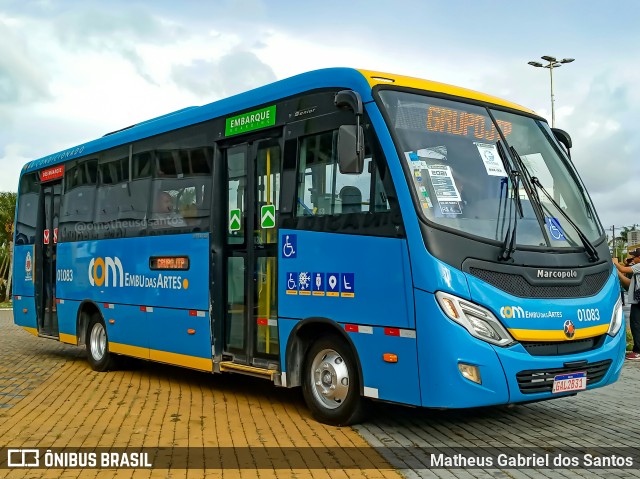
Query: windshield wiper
x,y
535,182
509,242
588,247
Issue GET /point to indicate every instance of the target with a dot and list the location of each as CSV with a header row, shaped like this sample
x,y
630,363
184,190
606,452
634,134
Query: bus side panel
x,y
24,307
442,344
118,271
24,313
398,382
174,333
127,329
67,320
346,278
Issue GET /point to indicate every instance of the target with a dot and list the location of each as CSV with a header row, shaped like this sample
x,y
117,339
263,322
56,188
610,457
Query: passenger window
x,y
78,200
323,190
181,191
113,202
27,210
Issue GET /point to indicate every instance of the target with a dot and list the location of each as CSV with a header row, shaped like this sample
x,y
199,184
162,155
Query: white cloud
x,y
68,75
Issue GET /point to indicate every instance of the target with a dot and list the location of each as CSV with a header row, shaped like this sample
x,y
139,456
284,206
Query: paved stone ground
x,y
607,417
50,398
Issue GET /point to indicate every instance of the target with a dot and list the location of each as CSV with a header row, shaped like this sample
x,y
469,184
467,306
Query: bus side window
x,y
113,193
181,191
27,210
78,200
323,190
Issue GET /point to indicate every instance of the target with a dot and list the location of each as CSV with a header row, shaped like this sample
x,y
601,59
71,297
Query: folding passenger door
x,y
252,178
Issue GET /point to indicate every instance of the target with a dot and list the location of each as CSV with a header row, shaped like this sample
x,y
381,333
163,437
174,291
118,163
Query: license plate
x,y
569,382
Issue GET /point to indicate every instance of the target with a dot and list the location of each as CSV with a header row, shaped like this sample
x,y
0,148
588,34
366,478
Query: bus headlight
x,y
480,322
617,319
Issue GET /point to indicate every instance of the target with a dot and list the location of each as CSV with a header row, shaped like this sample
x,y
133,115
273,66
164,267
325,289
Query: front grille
x,y
558,348
541,380
518,285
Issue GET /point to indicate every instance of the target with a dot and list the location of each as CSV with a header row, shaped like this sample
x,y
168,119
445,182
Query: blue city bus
x,y
356,234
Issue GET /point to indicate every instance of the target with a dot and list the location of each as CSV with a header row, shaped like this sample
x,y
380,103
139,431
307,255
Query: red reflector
x,y
191,331
106,305
263,321
193,312
143,309
392,331
352,328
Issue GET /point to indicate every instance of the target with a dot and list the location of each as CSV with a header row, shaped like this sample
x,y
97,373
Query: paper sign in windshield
x,y
443,183
491,159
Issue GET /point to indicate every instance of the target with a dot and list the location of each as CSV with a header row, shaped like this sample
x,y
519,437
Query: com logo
x,y
103,269
509,312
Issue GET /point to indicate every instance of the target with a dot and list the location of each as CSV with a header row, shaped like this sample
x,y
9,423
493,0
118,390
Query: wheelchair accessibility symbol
x,y
555,229
289,246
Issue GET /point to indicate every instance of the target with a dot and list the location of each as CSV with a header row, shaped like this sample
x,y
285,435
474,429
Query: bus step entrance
x,y
228,366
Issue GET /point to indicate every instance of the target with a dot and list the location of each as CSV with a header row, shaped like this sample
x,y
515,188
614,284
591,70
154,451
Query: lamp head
x,y
548,58
535,64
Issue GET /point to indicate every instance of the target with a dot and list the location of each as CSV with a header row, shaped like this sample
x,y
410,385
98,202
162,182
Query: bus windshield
x,y
462,180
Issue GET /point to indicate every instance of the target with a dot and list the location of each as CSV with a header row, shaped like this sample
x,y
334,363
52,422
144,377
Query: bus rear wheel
x,y
98,346
331,387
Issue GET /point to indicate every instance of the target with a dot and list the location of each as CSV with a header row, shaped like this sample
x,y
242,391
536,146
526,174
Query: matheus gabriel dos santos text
x,y
531,461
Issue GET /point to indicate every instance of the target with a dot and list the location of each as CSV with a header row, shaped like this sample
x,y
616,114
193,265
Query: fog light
x,y
472,373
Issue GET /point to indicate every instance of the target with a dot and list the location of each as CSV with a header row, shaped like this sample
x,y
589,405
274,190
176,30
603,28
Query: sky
x,y
72,71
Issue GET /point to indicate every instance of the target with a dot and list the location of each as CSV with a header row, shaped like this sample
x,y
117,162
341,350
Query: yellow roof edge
x,y
378,78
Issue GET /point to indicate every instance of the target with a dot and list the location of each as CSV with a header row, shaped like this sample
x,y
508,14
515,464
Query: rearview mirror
x,y
564,138
350,149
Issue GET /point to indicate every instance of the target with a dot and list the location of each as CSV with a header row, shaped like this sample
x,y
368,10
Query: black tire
x,y
328,363
97,343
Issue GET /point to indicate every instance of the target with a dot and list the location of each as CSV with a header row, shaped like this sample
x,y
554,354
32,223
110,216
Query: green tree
x,y
7,215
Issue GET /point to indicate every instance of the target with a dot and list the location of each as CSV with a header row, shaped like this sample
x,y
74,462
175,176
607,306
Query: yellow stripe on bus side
x,y
134,351
193,362
538,335
68,338
427,85
33,331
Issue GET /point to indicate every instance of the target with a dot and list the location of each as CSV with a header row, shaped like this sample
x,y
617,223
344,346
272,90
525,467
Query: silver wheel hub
x,y
330,378
98,341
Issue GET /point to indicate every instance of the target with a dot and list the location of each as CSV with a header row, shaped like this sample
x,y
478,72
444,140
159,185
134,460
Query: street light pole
x,y
552,63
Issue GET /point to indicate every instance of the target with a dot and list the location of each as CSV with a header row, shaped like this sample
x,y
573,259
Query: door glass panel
x,y
266,306
267,194
51,194
235,326
268,166
237,174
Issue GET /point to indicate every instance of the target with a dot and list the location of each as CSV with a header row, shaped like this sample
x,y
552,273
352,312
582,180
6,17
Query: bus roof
x,y
360,80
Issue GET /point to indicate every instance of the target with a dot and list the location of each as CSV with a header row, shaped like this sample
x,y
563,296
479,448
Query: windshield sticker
x,y
450,208
491,159
443,183
555,228
538,167
435,153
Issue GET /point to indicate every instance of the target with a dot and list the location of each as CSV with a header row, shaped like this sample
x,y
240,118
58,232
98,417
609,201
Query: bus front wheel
x,y
331,387
98,345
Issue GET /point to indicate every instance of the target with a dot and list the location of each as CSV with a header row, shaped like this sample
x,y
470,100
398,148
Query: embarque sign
x,y
253,120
